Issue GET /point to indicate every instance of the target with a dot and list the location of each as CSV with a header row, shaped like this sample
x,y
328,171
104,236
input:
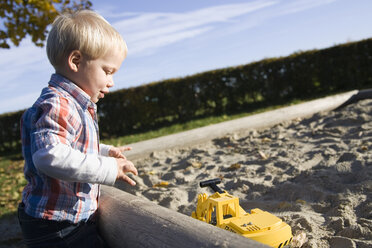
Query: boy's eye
x,y
109,70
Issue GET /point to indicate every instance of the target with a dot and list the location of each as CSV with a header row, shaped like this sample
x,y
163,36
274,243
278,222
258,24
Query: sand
x,y
315,173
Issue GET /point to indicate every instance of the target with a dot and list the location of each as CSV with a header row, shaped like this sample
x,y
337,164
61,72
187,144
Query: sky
x,y
171,39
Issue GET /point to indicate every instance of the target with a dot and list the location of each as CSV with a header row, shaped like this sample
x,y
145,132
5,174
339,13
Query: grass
x,y
180,127
12,182
11,165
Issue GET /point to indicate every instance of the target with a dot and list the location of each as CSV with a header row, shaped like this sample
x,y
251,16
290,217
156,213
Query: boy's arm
x,y
112,151
55,124
63,162
124,165
118,152
104,149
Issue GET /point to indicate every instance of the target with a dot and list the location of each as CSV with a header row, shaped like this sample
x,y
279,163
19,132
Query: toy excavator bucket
x,y
212,183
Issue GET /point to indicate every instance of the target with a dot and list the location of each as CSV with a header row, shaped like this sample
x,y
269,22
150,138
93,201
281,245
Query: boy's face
x,y
95,77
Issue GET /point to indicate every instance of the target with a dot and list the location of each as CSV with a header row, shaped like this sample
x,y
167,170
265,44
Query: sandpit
x,y
315,173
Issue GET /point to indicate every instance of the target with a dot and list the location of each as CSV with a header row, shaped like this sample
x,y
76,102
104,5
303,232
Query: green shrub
x,y
267,82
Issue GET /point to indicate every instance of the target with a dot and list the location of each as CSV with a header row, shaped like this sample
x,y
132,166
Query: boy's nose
x,y
110,83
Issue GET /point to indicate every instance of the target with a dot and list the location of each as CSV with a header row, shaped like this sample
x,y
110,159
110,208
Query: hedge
x,y
299,76
276,80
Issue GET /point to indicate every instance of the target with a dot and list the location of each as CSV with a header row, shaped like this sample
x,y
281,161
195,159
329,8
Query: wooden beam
x,y
126,220
257,121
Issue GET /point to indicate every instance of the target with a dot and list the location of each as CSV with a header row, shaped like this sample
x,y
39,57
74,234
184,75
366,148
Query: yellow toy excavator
x,y
223,210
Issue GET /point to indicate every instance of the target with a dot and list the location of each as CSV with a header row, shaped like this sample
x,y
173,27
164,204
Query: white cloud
x,y
17,60
300,5
143,46
146,31
15,103
282,8
26,53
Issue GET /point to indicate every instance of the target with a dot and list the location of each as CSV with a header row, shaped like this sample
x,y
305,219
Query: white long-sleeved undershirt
x,y
65,163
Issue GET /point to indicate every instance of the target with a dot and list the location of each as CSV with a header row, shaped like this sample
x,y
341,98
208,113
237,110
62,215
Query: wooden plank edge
x,y
126,220
262,120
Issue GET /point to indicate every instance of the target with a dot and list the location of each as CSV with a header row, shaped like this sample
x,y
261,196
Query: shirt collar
x,y
59,81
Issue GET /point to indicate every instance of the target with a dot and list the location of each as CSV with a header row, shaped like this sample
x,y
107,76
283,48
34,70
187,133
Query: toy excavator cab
x,y
216,216
223,210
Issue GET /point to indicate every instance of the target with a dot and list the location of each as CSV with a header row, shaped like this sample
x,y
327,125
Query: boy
x,y
64,161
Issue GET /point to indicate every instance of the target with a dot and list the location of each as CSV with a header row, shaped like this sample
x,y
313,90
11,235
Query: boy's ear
x,y
74,60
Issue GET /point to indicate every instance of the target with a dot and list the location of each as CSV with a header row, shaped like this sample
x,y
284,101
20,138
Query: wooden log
x,y
262,120
126,220
358,96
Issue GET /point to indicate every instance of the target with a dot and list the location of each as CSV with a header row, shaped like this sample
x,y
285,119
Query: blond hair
x,y
84,30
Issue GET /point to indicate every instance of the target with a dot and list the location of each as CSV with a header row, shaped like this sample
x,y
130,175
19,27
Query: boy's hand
x,y
125,166
117,152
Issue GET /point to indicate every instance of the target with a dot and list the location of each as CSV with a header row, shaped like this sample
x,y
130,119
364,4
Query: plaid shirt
x,y
63,114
